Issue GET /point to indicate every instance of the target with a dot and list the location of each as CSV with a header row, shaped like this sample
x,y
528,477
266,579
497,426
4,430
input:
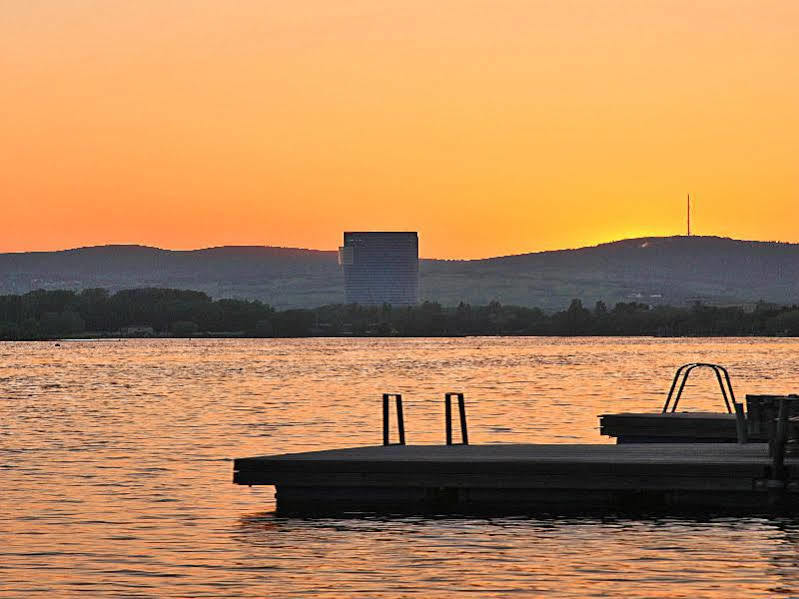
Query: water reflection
x,y
713,557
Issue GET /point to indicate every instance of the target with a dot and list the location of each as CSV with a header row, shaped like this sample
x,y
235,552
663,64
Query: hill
x,y
655,270
283,277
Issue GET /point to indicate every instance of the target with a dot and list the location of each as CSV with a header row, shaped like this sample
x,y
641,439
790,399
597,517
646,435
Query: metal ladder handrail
x,y
685,370
448,417
400,419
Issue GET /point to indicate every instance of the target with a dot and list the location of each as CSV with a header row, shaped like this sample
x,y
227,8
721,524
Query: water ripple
x,y
115,461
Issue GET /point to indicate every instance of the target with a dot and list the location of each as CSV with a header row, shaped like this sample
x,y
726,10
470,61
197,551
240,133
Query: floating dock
x,y
527,478
718,469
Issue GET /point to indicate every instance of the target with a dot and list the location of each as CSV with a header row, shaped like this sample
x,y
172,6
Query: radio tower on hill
x,y
689,215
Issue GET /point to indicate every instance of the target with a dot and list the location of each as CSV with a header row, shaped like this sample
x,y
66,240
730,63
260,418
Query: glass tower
x,y
381,268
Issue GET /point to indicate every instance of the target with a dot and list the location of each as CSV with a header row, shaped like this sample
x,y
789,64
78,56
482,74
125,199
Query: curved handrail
x,y
722,376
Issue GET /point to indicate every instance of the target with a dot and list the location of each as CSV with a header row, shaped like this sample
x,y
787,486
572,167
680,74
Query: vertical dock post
x,y
780,438
400,419
448,417
740,424
776,484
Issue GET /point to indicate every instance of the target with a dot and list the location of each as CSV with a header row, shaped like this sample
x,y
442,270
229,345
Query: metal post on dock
x,y
448,417
740,424
400,419
780,438
776,484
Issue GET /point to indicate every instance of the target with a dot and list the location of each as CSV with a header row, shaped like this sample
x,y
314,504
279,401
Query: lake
x,y
115,463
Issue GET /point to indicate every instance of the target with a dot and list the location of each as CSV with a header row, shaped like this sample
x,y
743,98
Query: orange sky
x,y
491,127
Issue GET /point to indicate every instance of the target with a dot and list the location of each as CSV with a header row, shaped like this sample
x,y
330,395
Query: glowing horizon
x,y
421,256
491,128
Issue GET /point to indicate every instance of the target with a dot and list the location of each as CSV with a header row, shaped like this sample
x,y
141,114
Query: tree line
x,y
48,314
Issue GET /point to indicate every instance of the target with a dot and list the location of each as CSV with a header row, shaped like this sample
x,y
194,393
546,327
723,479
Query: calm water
x,y
115,458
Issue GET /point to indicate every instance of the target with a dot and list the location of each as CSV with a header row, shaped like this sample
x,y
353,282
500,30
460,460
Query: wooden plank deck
x,y
522,478
671,427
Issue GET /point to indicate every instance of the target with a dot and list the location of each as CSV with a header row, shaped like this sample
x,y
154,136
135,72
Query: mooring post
x,y
740,423
776,484
780,438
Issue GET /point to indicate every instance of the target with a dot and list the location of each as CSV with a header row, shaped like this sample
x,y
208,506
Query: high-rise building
x,y
381,268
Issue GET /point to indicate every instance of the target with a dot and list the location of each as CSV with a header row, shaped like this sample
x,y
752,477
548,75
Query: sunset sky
x,y
491,127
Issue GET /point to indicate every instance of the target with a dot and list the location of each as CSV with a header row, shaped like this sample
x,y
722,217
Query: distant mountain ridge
x,y
651,270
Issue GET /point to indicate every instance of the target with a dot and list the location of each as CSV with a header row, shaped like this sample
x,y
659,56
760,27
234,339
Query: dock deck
x,y
525,478
670,427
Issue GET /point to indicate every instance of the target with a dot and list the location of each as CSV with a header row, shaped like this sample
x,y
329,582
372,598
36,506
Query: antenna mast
x,y
689,215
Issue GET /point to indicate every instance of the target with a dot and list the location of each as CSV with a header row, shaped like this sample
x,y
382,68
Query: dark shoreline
x,y
169,313
202,336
